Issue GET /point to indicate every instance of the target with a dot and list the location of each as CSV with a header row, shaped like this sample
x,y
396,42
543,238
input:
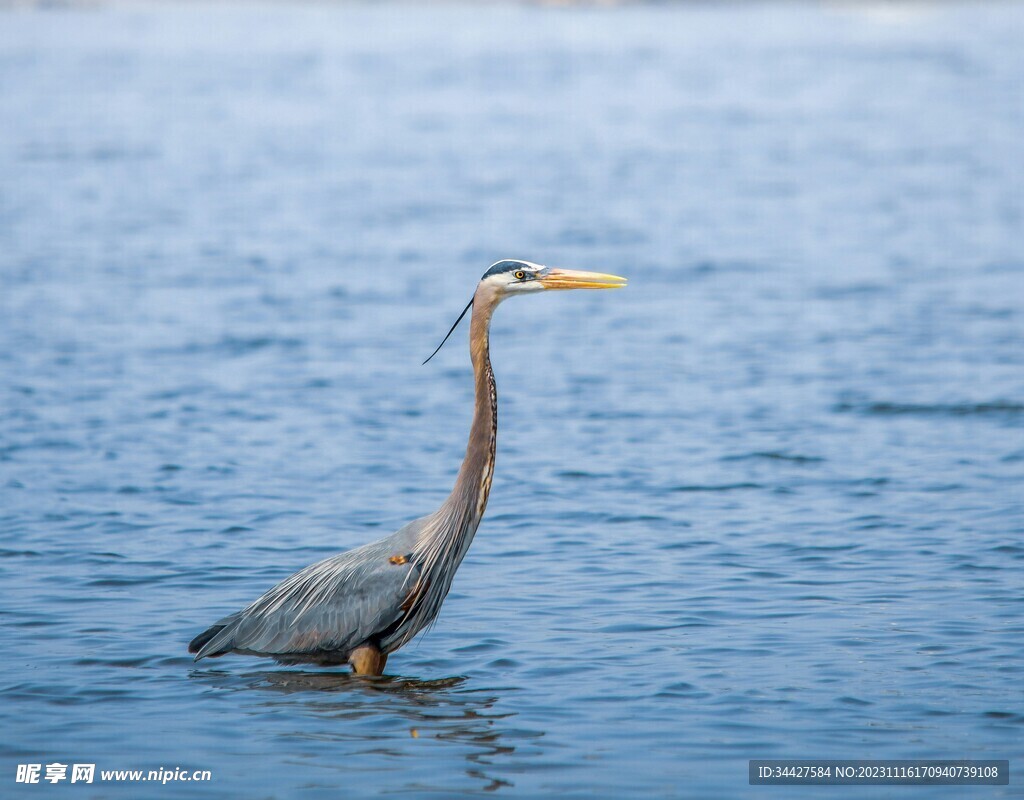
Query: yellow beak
x,y
552,278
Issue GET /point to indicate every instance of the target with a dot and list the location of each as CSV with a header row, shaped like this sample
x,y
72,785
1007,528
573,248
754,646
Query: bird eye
x,y
520,275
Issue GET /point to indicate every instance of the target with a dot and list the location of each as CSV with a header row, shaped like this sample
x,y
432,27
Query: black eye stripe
x,y
505,266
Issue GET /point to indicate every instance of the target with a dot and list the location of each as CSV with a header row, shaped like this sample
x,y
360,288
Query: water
x,y
763,503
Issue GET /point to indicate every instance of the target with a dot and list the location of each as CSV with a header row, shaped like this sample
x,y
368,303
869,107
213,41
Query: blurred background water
x,y
764,503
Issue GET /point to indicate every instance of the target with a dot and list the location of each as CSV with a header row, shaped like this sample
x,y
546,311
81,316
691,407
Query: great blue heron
x,y
361,605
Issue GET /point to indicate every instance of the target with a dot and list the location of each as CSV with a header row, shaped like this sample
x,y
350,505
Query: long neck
x,y
473,485
449,531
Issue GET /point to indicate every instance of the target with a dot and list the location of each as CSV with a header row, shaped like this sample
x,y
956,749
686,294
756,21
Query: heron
x,y
361,605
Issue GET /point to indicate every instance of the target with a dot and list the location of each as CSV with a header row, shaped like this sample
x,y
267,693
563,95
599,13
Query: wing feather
x,y
323,611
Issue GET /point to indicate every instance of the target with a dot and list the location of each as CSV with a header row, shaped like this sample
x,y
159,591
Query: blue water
x,y
764,503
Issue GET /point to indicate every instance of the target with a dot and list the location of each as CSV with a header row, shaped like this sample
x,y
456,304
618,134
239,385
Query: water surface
x,y
763,503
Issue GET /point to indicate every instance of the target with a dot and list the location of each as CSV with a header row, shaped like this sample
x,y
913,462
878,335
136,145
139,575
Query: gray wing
x,y
325,610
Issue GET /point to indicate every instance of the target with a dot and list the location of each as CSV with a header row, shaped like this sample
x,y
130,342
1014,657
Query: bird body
x,y
359,606
326,610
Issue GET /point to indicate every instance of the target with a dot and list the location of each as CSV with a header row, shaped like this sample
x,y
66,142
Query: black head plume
x,y
451,330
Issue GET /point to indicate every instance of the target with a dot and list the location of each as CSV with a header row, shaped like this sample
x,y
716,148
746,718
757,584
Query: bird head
x,y
511,277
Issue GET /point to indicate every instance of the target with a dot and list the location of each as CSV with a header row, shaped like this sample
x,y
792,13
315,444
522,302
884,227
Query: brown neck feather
x,y
473,484
447,535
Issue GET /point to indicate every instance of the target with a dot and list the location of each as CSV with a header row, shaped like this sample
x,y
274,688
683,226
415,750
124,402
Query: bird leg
x,y
367,659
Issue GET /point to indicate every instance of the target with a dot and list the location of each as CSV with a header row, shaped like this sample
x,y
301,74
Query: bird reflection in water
x,y
441,709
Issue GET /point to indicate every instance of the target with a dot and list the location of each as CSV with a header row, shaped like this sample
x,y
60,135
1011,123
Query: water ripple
x,y
764,502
